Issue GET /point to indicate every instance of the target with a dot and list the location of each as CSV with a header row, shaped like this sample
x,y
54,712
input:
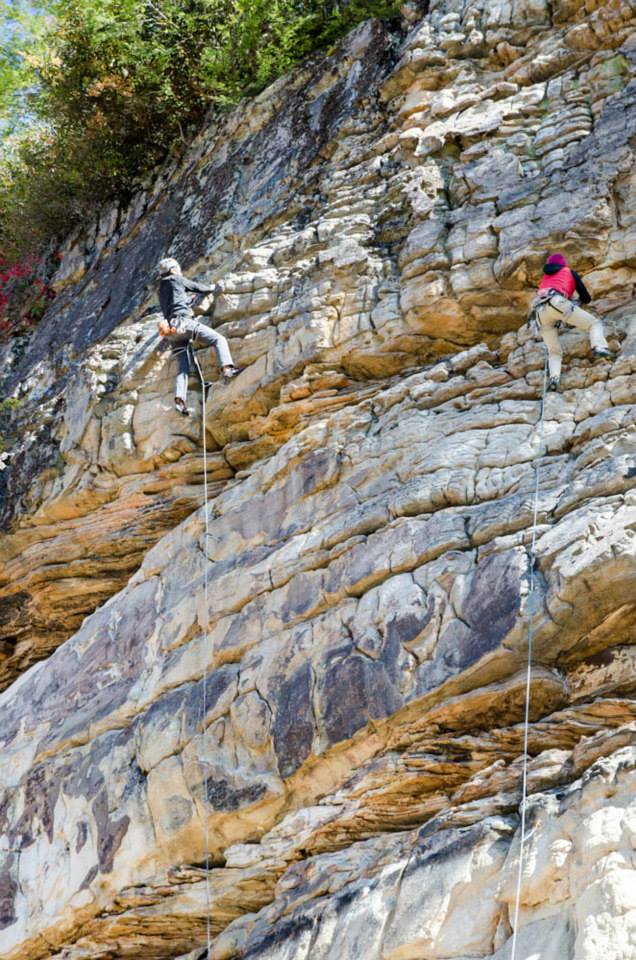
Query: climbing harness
x,y
544,299
526,719
206,631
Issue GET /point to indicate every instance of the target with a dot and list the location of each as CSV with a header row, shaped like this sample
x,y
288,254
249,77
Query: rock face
x,y
295,730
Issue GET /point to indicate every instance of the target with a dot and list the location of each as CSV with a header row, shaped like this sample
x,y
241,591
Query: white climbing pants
x,y
558,308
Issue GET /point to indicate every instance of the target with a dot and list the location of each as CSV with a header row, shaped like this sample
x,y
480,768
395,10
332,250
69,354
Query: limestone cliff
x,y
339,720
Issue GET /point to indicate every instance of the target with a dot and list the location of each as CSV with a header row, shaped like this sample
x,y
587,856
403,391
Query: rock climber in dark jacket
x,y
557,299
181,331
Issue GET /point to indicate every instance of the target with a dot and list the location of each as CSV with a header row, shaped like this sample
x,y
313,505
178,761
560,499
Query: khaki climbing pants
x,y
558,308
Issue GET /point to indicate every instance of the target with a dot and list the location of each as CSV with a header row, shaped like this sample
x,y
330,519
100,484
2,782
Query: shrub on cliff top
x,y
95,93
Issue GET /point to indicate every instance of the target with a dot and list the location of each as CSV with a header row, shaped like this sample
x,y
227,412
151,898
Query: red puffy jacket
x,y
563,281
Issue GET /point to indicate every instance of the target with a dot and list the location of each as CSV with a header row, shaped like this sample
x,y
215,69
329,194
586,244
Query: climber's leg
x,y
208,337
586,321
548,318
181,352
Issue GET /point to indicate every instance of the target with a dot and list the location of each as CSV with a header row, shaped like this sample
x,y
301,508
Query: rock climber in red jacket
x,y
557,299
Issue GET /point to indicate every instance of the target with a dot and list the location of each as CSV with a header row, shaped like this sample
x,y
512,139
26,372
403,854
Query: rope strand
x,y
526,722
206,631
526,719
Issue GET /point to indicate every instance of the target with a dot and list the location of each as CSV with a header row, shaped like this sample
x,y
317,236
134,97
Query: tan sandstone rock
x,y
319,755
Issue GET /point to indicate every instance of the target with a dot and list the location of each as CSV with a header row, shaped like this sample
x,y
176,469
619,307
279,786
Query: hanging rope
x,y
206,631
526,719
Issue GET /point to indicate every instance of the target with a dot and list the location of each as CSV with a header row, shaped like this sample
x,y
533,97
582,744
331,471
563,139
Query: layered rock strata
x,y
303,725
375,210
358,671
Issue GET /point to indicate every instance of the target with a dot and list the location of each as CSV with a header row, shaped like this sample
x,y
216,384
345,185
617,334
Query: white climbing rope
x,y
206,631
526,719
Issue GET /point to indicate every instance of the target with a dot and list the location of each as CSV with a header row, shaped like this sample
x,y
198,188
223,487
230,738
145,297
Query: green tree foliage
x,y
95,93
22,32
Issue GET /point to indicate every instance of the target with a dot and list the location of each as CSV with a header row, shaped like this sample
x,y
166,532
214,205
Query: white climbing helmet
x,y
167,265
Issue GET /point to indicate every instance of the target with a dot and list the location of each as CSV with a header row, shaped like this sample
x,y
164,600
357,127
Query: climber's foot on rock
x,y
180,407
553,385
602,353
230,371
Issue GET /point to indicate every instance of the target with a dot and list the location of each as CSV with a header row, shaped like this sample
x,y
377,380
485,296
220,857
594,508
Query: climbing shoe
x,y
181,407
230,372
601,353
553,384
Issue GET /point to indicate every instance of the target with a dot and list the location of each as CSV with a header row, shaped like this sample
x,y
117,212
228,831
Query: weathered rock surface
x,y
362,217
318,744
